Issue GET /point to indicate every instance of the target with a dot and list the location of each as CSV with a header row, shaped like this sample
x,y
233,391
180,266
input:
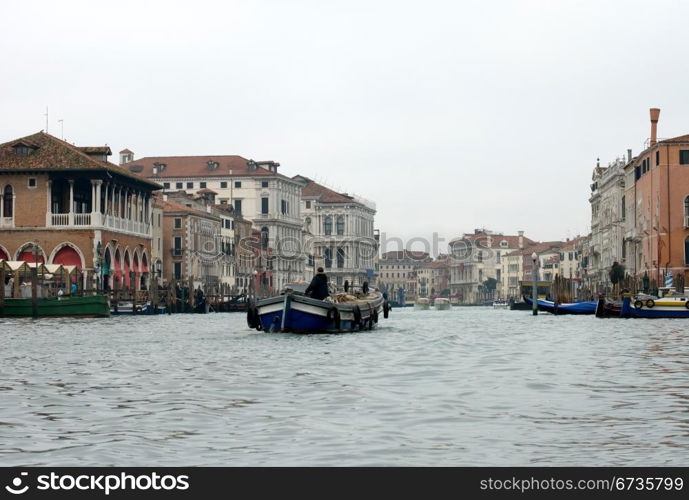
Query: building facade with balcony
x,y
254,189
341,234
607,220
63,204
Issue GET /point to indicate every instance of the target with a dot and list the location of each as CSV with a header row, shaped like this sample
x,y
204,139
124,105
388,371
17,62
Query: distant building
x,y
254,189
607,220
342,231
477,263
397,274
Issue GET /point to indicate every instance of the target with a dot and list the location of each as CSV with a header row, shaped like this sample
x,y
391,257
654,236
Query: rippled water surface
x,y
470,386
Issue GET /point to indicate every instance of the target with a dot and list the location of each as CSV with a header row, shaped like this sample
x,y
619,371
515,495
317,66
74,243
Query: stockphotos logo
x,y
17,487
104,484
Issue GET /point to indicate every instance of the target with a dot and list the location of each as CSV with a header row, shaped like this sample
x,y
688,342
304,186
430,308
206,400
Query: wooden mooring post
x,y
2,291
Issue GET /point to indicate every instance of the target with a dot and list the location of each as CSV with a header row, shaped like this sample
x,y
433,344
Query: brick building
x,y
64,204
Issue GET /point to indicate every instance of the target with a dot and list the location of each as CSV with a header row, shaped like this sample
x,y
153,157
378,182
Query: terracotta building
x,y
64,204
655,208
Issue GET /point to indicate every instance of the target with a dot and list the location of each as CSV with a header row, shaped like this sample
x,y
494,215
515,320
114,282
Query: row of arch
x,y
121,267
65,253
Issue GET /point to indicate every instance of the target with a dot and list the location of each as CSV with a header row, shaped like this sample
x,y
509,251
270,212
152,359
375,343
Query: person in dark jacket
x,y
318,288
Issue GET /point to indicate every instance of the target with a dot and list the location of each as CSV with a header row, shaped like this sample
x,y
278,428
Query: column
x,y
2,207
70,215
99,183
48,213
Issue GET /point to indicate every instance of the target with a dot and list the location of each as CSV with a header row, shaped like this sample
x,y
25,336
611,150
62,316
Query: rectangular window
x,y
178,223
264,205
624,208
32,182
238,206
179,185
177,245
657,158
202,185
283,207
264,184
684,157
223,185
308,204
237,184
190,185
178,271
166,185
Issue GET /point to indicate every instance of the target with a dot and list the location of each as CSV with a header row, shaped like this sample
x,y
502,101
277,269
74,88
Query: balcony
x,y
177,252
7,222
97,220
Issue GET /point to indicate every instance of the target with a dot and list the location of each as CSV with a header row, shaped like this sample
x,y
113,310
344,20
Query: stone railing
x,y
98,220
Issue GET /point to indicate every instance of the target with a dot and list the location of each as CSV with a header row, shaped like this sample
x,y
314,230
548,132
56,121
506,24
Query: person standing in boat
x,y
318,288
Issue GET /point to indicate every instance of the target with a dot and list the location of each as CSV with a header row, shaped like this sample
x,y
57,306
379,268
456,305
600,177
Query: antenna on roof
x,y
46,119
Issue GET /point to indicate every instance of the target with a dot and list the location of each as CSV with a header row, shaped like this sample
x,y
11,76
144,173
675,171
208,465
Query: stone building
x,y
254,189
341,229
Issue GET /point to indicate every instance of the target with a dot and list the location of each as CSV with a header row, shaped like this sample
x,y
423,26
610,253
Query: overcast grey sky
x,y
450,115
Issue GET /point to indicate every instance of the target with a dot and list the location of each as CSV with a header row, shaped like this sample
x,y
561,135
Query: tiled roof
x,y
405,254
323,194
103,150
53,154
681,138
172,206
198,166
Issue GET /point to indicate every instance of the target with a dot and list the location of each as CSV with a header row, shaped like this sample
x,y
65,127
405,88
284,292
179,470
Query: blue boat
x,y
294,312
588,307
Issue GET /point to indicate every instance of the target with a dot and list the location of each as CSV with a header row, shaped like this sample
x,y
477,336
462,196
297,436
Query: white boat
x,y
442,304
422,304
501,304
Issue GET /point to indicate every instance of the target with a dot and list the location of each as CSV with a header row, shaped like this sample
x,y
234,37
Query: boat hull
x,y
88,306
656,312
565,308
299,314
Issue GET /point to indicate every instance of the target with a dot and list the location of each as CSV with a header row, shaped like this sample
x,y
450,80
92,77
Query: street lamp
x,y
534,295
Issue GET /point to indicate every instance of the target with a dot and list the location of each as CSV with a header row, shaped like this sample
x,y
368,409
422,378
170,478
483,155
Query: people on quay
x,y
74,289
318,288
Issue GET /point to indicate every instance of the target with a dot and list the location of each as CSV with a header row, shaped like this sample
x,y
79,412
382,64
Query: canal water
x,y
470,386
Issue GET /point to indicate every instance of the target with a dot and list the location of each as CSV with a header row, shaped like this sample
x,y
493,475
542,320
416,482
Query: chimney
x,y
629,156
655,112
521,239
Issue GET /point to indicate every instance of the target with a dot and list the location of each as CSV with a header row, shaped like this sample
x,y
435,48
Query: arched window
x,y
340,257
264,238
686,211
328,225
7,202
340,224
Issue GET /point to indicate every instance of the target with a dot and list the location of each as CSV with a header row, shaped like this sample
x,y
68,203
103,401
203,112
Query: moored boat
x,y
294,312
663,307
442,304
587,307
422,304
501,304
128,308
86,306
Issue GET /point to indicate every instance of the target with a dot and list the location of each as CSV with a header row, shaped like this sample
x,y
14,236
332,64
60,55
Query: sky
x,y
449,115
